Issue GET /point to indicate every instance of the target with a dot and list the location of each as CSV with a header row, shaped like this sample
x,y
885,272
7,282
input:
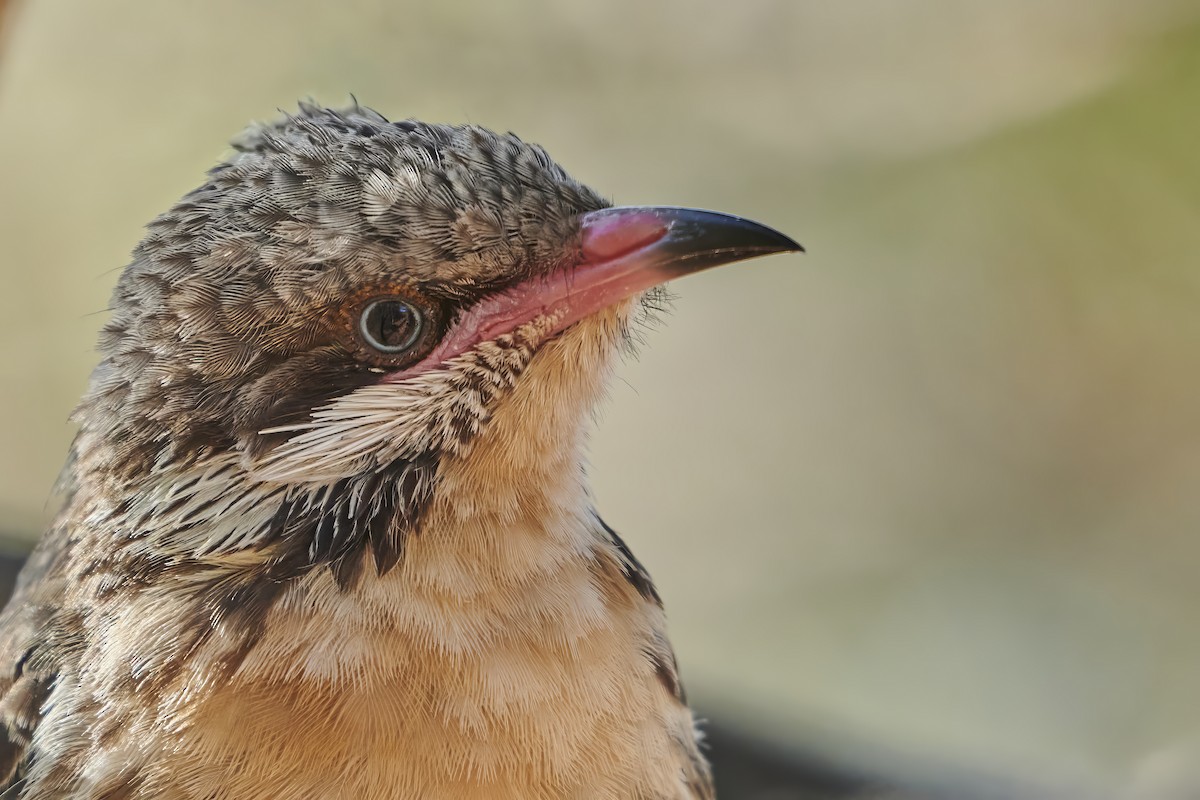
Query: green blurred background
x,y
931,487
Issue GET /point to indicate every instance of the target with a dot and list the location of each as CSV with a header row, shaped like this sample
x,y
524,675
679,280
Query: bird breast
x,y
491,664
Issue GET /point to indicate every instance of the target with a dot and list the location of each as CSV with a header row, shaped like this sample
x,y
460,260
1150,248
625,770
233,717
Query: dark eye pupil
x,y
390,326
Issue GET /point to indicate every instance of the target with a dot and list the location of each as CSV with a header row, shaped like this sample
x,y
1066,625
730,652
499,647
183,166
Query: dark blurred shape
x,y
748,767
10,565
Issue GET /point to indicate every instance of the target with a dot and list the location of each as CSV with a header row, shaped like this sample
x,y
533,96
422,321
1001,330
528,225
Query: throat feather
x,y
215,511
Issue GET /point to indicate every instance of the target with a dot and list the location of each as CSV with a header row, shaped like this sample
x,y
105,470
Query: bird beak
x,y
672,241
622,252
630,249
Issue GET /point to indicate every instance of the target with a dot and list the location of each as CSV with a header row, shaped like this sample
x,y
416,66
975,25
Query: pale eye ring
x,y
391,325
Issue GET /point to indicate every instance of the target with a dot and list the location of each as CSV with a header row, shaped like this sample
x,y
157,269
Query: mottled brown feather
x,y
243,599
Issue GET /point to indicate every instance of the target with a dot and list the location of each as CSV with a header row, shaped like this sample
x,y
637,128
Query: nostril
x,y
608,234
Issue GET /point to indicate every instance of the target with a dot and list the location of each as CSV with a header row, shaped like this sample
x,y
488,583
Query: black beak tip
x,y
787,243
701,230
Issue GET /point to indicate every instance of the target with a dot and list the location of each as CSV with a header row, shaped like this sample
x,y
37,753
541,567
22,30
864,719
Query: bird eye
x,y
390,325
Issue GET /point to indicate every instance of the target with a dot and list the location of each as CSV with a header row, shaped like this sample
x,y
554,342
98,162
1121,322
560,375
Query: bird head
x,y
352,317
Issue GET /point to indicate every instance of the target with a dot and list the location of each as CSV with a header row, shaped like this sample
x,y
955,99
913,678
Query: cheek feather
x,y
320,487
437,411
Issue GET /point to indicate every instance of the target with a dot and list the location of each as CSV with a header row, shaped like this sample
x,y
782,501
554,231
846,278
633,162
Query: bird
x,y
326,529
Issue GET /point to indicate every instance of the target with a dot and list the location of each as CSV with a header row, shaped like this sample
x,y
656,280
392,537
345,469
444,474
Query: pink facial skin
x,y
624,251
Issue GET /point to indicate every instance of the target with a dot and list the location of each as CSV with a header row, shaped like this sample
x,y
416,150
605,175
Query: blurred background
x,y
923,503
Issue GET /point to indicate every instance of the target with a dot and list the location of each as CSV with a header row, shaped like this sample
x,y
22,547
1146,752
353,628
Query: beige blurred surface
x,y
932,485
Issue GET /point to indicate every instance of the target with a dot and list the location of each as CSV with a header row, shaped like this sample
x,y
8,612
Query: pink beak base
x,y
623,251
